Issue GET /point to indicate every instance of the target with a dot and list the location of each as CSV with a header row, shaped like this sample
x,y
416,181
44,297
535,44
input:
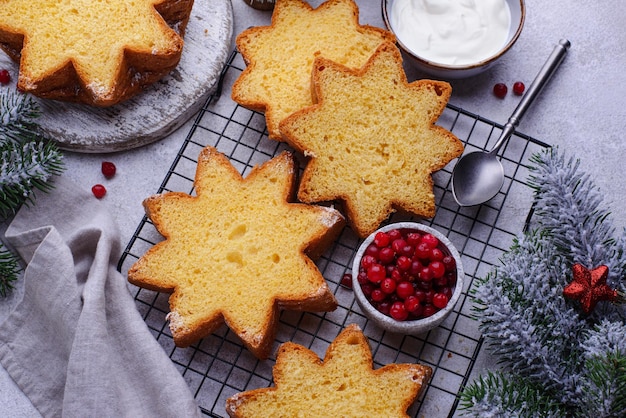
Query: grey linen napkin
x,y
76,345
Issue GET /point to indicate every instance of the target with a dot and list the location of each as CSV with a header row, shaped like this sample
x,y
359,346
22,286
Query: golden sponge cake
x,y
343,385
279,57
237,252
371,139
95,52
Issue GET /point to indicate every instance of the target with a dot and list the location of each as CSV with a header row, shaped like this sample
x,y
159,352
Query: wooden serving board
x,y
161,108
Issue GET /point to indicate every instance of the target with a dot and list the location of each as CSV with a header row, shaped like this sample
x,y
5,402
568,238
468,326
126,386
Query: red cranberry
x,y
437,268
99,191
416,266
518,88
5,77
388,286
420,295
404,290
381,239
378,295
346,280
436,254
398,311
383,307
367,261
440,300
449,262
386,255
108,169
412,304
422,251
398,244
430,294
413,238
394,234
500,90
429,310
404,263
430,240
376,273
372,250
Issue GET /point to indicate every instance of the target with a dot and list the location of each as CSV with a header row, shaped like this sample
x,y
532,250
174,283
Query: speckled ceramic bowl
x,y
416,326
518,15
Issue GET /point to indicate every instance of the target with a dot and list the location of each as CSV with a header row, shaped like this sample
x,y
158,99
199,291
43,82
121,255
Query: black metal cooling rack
x,y
219,366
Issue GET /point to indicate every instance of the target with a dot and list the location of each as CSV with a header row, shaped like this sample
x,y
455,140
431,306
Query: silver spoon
x,y
478,176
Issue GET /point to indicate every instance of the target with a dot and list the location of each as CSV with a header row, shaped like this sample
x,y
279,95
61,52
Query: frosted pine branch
x,y
542,340
27,159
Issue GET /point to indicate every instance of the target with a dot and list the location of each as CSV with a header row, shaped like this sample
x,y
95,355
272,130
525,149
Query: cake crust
x,y
343,384
238,252
279,57
371,139
98,53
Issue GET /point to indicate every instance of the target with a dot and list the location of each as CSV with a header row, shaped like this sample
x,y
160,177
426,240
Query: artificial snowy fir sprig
x,y
556,360
28,161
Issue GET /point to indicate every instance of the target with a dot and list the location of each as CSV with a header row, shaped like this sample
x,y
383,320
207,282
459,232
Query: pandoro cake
x,y
344,384
237,252
95,52
371,139
279,57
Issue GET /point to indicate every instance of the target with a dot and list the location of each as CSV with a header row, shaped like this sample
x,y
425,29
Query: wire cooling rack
x,y
219,366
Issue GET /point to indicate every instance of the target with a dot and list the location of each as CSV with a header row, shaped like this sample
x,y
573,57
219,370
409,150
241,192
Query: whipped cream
x,y
451,32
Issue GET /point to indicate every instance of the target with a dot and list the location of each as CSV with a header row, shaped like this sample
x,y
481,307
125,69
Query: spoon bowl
x,y
478,176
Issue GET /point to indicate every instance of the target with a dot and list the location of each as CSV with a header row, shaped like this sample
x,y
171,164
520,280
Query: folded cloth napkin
x,y
76,345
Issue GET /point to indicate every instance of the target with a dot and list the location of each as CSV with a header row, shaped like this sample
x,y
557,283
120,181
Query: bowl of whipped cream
x,y
453,39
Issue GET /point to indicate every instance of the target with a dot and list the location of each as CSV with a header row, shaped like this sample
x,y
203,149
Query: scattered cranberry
x,y
346,280
99,191
407,274
518,88
5,77
500,90
108,169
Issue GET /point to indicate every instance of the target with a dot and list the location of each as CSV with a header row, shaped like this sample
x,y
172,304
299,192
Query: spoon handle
x,y
546,72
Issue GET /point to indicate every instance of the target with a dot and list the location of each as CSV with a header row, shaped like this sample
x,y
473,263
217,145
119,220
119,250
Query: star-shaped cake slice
x,y
343,385
237,252
279,57
372,139
97,52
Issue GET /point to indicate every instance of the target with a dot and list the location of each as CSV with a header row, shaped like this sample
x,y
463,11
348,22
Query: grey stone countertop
x,y
582,110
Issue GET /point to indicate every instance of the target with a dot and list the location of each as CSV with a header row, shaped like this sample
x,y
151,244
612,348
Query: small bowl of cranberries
x,y
407,277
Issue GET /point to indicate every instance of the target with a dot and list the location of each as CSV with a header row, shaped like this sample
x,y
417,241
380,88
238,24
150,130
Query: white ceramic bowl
x,y
518,15
409,327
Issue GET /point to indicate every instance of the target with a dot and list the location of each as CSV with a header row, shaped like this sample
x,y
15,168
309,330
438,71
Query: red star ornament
x,y
589,287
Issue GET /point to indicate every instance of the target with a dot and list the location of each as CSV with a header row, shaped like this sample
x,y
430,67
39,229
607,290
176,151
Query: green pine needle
x,y
605,388
500,395
9,270
28,161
